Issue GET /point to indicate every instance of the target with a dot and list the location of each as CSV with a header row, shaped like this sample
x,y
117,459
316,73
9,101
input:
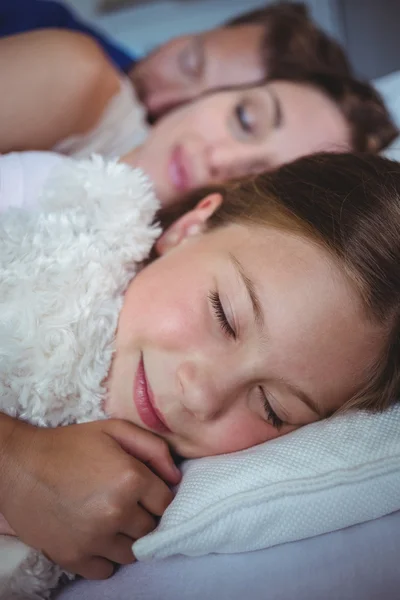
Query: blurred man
x,y
258,45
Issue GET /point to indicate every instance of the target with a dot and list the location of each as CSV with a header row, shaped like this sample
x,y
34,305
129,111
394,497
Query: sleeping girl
x,y
272,305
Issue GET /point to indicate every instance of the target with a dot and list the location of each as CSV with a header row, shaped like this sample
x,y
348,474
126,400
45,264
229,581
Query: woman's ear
x,y
191,223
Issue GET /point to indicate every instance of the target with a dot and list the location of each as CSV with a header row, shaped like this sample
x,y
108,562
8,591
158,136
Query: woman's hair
x,y
294,48
292,39
371,127
350,205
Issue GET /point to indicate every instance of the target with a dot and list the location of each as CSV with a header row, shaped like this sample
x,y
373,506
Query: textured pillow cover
x,y
320,478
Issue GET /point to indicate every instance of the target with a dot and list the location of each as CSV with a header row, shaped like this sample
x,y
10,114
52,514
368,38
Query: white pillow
x,y
320,478
389,87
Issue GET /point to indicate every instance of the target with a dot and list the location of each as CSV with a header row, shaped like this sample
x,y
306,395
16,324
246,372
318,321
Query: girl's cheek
x,y
239,435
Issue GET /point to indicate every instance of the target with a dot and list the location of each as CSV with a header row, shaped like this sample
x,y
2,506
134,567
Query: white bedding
x,y
389,87
357,563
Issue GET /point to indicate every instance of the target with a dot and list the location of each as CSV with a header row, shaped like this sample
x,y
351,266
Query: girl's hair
x,y
350,205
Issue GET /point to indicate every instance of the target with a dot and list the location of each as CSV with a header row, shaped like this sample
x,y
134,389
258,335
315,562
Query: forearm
x,y
15,441
8,428
55,84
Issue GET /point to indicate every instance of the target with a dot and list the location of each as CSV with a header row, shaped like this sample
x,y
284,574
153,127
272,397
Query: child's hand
x,y
78,494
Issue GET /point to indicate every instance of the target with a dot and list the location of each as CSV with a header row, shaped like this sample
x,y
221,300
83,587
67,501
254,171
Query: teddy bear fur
x,y
64,268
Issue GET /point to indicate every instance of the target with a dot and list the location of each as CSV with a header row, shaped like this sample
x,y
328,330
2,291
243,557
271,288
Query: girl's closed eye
x,y
227,328
219,312
272,417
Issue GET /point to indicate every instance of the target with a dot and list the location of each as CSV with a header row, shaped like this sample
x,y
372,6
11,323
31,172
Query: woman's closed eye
x,y
219,312
244,118
272,417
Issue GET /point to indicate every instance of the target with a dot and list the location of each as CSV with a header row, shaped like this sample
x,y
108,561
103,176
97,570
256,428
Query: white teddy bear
x,y
64,268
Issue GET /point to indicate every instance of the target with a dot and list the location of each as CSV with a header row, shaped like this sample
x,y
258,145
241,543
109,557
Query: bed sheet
x,y
357,563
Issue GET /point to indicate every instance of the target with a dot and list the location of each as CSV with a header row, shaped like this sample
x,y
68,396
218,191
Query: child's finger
x,y
146,447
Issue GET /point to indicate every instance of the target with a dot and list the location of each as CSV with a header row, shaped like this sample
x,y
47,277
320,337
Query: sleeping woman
x,y
218,137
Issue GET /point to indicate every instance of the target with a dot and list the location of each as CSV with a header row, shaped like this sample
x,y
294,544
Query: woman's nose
x,y
231,161
222,162
201,395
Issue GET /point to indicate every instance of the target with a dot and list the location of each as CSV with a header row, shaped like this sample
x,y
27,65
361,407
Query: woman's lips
x,y
179,170
144,402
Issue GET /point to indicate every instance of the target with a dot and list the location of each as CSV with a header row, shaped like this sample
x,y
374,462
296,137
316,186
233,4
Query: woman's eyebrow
x,y
277,115
251,290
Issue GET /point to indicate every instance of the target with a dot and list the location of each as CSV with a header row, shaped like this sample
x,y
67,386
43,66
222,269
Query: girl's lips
x,y
144,402
179,170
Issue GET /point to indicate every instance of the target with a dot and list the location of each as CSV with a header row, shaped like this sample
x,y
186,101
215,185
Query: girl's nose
x,y
201,395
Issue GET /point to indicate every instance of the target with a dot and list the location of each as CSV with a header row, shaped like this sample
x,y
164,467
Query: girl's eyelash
x,y
228,330
220,314
271,414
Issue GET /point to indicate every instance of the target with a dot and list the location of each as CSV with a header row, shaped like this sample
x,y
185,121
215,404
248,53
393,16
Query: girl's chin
x,y
167,193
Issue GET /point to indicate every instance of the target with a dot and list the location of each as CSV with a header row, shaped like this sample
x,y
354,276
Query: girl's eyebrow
x,y
251,290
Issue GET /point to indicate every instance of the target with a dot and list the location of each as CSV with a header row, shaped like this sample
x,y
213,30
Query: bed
x,y
357,563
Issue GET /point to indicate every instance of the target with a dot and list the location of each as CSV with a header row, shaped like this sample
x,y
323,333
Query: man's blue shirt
x,y
17,16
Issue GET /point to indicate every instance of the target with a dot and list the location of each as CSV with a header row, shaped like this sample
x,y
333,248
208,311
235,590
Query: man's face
x,y
191,65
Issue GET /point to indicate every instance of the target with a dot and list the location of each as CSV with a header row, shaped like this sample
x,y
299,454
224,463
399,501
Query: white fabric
x,y
23,175
389,88
357,563
122,127
318,479
64,268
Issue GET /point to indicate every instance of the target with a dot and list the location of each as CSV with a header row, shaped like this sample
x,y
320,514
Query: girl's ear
x,y
191,223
